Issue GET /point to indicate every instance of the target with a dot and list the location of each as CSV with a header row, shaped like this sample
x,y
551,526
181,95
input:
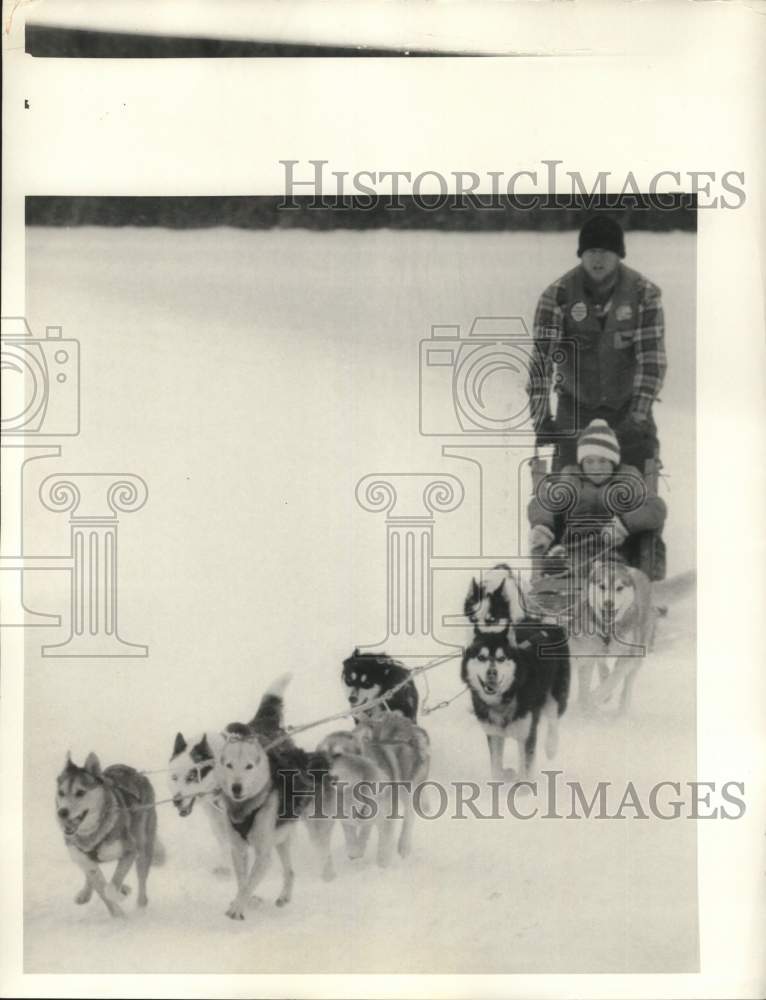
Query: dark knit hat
x,y
601,233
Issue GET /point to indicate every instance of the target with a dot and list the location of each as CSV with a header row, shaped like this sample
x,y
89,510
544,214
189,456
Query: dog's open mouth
x,y
73,823
489,686
184,808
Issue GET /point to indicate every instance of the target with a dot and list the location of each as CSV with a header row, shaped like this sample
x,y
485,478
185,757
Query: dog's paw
x,y
283,900
222,870
235,911
509,774
125,890
112,893
115,911
83,896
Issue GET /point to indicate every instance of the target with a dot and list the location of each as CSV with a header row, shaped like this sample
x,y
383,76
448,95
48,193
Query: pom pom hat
x,y
599,441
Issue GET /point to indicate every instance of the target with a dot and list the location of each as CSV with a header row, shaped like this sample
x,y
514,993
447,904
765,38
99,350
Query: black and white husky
x,y
512,687
192,779
368,676
496,601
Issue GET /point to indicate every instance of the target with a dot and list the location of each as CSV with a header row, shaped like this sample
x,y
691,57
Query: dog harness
x,y
244,825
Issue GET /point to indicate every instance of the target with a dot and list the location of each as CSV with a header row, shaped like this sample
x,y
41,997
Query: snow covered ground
x,y
252,378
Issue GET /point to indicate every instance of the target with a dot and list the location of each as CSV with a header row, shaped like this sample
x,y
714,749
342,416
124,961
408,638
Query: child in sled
x,y
596,504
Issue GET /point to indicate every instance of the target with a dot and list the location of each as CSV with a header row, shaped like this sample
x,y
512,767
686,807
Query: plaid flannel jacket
x,y
651,362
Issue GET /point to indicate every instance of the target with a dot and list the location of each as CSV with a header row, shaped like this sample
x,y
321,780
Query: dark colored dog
x,y
495,602
512,686
367,676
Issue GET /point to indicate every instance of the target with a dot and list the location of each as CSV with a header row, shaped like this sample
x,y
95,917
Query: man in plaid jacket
x,y
600,341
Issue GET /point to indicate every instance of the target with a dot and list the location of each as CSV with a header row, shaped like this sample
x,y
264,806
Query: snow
x,y
252,378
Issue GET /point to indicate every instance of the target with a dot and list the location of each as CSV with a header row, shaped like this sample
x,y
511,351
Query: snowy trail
x,y
233,371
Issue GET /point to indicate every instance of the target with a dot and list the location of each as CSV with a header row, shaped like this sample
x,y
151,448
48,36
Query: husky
x,y
108,815
511,687
192,777
363,764
495,602
612,631
264,790
367,676
192,773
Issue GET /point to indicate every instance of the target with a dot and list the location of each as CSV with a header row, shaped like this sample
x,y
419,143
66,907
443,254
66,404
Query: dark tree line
x,y
464,214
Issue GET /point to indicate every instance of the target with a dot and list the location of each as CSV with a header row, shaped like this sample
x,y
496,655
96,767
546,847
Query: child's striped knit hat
x,y
599,440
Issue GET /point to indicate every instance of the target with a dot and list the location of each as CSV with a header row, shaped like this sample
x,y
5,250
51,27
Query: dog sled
x,y
557,580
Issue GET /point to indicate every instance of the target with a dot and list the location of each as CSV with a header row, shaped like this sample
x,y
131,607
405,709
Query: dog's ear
x,y
92,765
179,746
202,749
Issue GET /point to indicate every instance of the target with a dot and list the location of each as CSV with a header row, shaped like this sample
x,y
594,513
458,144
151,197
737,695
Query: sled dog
x,y
363,764
512,686
192,776
264,790
612,631
367,676
107,815
495,602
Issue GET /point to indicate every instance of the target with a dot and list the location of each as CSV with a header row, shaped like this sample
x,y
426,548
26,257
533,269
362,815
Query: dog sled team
x,y
255,784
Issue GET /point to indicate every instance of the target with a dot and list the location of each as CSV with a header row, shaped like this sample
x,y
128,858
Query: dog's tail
x,y
159,854
270,712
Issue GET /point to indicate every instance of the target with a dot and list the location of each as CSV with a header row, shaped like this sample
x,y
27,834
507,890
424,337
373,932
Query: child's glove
x,y
557,552
540,539
615,532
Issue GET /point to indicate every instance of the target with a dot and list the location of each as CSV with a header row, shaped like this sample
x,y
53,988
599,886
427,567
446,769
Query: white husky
x,y
192,778
612,631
